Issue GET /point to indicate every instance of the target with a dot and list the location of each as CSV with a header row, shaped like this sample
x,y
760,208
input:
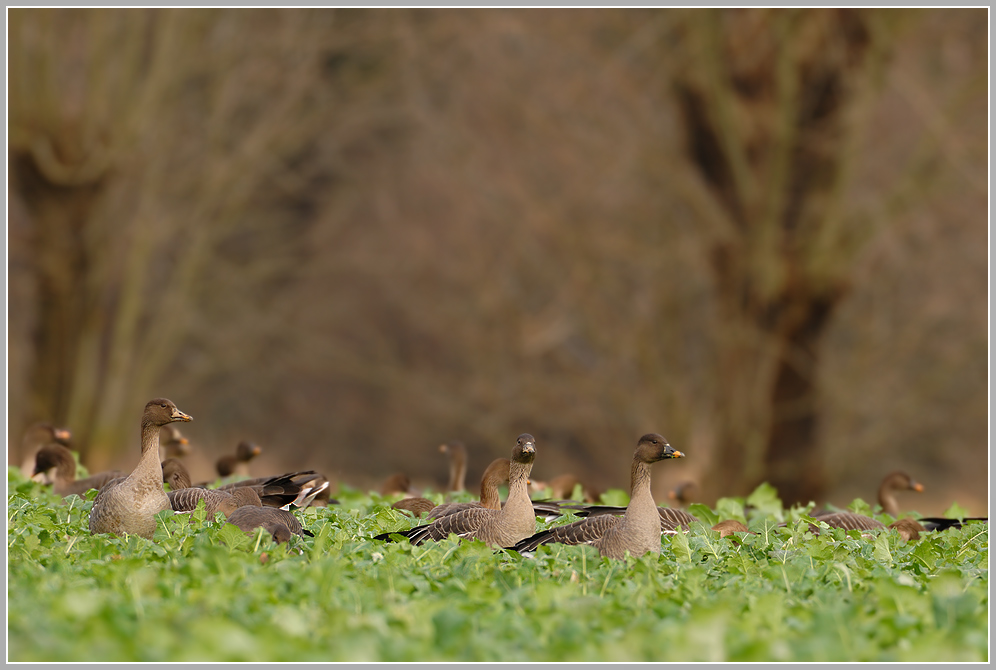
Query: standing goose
x,y
636,532
131,505
57,458
495,527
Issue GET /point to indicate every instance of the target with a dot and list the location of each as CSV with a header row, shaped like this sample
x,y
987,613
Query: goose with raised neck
x,y
637,531
131,505
494,476
238,463
495,527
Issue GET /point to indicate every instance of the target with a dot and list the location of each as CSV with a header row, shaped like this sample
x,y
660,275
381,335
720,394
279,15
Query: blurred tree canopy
x,y
351,234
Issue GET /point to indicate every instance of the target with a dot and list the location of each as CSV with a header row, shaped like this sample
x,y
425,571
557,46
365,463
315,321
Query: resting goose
x,y
185,500
175,474
37,436
248,518
636,532
238,463
458,464
894,481
495,527
57,463
131,505
494,476
731,526
943,523
293,489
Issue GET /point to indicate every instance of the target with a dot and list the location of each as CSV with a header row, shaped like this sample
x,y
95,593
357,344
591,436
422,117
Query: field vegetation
x,y
204,591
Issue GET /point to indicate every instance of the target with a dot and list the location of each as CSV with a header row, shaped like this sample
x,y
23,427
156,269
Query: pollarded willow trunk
x,y
772,112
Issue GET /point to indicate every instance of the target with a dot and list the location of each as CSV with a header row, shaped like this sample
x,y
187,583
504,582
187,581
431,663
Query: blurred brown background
x,y
350,235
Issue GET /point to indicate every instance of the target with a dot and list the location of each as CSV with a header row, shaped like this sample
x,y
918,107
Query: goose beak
x,y
676,454
917,486
177,415
62,434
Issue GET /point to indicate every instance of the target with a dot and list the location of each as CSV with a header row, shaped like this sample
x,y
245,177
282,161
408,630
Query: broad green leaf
x,y
882,552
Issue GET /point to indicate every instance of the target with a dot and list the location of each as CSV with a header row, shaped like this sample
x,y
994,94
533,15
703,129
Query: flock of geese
x,y
128,503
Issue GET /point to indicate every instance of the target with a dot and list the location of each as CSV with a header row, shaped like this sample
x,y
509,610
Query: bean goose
x,y
729,527
173,442
131,505
672,518
59,466
37,436
495,527
458,464
395,484
175,474
293,489
186,500
894,481
248,518
943,523
238,463
684,493
637,531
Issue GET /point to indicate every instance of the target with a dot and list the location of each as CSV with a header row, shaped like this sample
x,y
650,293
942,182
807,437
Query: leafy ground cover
x,y
204,591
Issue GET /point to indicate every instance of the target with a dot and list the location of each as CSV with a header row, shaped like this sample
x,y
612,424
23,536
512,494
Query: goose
x,y
130,506
56,462
495,527
173,442
175,474
249,517
637,531
684,493
186,500
894,481
731,526
397,483
943,523
457,452
37,436
292,489
238,463
672,518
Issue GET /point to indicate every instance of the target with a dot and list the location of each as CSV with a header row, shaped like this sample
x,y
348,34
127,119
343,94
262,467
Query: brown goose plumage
x,y
672,518
729,527
458,464
131,505
637,532
57,462
418,506
37,436
908,528
238,463
174,444
684,493
185,500
495,527
175,474
895,481
496,474
249,517
293,489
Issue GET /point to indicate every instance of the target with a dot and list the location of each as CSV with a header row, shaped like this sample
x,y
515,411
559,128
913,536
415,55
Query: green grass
x,y
204,591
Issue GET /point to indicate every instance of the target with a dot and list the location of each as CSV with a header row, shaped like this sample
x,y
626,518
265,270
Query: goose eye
x,y
163,405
